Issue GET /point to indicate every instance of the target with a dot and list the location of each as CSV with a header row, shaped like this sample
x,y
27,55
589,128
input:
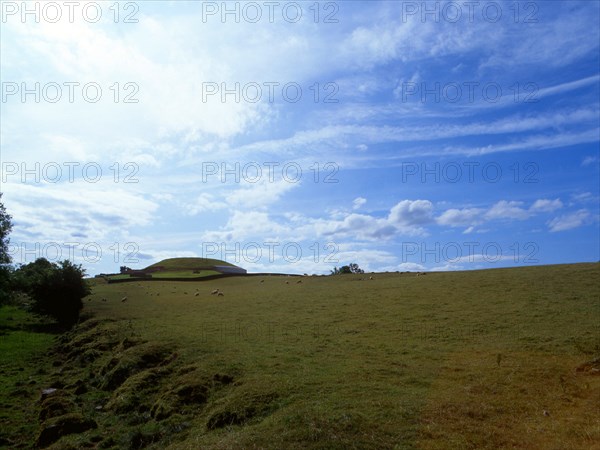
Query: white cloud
x,y
342,136
410,267
411,213
544,205
248,225
259,195
405,218
502,210
204,202
590,161
447,267
461,217
584,197
569,221
358,202
507,210
90,211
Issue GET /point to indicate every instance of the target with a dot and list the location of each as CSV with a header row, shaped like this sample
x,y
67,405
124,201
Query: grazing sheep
x,y
370,278
196,294
299,281
216,291
124,299
287,282
220,294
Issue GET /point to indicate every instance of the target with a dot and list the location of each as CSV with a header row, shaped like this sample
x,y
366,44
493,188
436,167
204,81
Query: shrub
x,y
56,289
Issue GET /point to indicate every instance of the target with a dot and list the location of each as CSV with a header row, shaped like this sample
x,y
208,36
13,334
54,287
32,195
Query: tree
x,y
29,275
355,269
5,259
351,268
56,289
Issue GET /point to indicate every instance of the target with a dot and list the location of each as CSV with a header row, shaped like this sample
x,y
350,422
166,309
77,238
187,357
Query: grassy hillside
x,y
462,360
173,264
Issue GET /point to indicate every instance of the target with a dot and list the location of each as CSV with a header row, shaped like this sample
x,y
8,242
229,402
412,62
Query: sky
x,y
299,136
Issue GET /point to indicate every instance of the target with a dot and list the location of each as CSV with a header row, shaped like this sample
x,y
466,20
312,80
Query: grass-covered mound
x,y
174,264
179,269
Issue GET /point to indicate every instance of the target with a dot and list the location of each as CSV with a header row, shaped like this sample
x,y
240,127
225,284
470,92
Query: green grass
x,y
119,277
458,360
23,370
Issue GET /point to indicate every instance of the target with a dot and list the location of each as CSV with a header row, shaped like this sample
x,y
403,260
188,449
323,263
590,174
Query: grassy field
x,y
498,358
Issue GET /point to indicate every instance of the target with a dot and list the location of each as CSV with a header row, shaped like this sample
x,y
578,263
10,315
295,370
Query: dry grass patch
x,y
516,400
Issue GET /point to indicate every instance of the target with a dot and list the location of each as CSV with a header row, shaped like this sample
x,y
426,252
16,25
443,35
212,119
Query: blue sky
x,y
397,135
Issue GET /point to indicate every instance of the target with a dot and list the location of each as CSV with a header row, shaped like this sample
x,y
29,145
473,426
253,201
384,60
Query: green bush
x,y
56,289
5,269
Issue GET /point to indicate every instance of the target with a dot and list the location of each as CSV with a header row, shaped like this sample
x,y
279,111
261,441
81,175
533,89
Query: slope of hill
x,y
501,358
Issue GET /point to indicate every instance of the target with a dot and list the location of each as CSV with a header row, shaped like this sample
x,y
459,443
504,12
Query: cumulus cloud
x,y
502,210
405,218
411,213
